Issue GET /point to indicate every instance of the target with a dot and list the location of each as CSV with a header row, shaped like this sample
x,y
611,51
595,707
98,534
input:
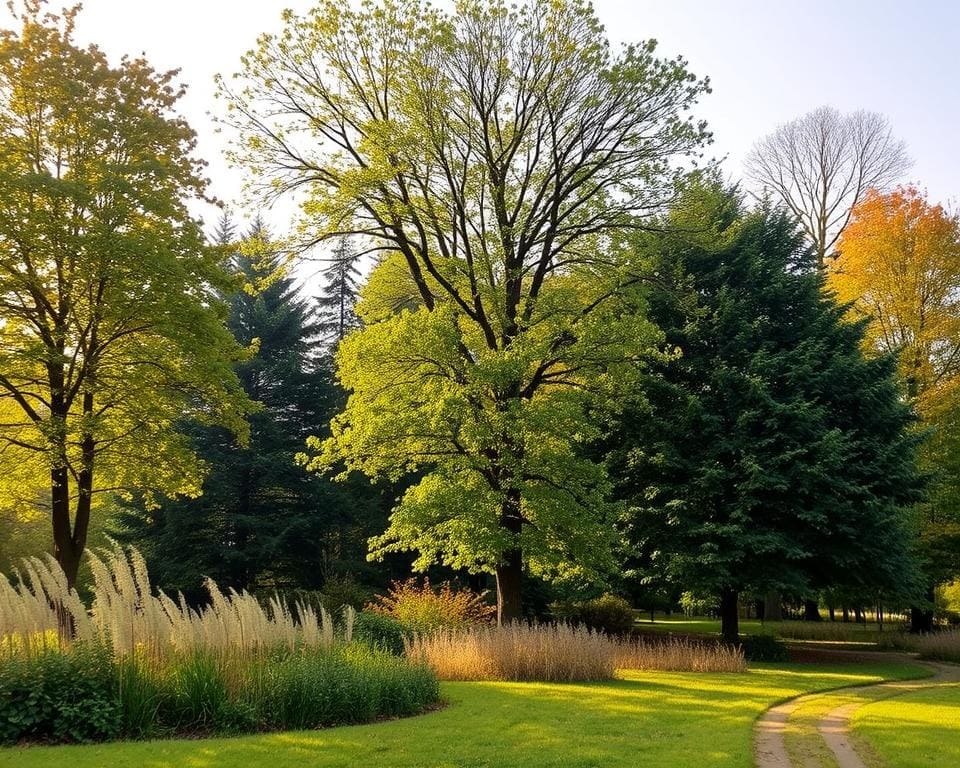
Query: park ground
x,y
671,720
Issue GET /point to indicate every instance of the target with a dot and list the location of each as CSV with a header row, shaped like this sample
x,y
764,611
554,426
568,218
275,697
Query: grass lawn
x,y
916,730
669,720
849,632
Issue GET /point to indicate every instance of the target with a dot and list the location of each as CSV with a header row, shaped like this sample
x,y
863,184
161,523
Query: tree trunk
x,y
921,619
846,614
510,568
729,616
811,610
772,606
833,613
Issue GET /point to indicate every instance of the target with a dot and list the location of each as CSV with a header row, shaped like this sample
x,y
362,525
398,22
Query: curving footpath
x,y
769,744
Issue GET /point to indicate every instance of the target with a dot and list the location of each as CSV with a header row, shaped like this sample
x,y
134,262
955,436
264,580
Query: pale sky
x,y
768,63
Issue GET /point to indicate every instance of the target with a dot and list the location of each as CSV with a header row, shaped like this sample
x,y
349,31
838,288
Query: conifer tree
x,y
769,454
263,520
338,300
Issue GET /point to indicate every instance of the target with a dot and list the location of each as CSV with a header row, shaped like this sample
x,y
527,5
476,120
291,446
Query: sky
x,y
768,62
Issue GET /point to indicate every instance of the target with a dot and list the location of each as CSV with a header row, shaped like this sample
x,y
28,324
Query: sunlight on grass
x,y
671,720
916,730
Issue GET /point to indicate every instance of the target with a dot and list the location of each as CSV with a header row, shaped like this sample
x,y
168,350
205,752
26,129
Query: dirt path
x,y
834,727
769,743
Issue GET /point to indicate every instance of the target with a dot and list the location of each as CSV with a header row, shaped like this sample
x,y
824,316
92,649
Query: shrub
x,y
425,609
559,653
764,648
609,614
49,695
381,631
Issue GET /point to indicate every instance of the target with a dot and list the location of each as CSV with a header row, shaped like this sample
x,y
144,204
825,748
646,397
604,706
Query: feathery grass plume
x,y
129,615
559,653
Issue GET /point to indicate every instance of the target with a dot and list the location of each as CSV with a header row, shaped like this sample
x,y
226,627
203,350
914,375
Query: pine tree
x,y
338,300
263,520
769,454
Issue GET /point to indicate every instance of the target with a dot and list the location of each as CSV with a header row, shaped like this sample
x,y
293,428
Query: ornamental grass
x,y
559,653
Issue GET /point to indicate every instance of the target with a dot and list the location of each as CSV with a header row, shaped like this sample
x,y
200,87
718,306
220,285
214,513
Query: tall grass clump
x,y
559,653
940,646
679,655
138,664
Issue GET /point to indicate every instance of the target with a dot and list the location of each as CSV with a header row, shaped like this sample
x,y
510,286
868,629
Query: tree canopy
x,y
493,155
111,327
768,454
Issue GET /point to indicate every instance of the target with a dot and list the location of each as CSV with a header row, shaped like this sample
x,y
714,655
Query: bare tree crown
x,y
821,165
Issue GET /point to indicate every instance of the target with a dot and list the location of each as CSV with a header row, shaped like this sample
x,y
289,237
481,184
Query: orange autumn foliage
x,y
898,265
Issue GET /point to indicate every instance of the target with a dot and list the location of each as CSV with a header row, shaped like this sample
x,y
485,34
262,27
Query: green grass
x,y
668,720
702,625
916,730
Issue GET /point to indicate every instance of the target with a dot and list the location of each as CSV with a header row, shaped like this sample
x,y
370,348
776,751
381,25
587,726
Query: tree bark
x,y
811,610
921,619
729,616
510,568
772,606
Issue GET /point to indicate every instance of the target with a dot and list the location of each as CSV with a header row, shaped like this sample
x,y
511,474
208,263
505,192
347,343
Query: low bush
x,y
559,653
940,646
610,614
380,631
764,648
49,695
423,608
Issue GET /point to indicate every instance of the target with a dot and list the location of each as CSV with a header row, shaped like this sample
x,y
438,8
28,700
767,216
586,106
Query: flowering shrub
x,y
423,608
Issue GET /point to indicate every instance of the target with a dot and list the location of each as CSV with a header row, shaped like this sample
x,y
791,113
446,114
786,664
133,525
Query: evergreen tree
x,y
262,520
338,300
769,453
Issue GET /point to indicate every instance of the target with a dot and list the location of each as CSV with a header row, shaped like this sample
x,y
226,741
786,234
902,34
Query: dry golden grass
x,y
129,615
559,653
944,646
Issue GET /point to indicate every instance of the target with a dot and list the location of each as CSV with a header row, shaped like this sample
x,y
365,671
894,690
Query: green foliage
x,y
112,329
423,608
769,454
764,647
84,694
608,613
263,521
381,631
495,154
52,696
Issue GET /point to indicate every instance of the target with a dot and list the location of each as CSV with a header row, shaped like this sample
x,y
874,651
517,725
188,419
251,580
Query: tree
x,y
492,155
263,520
110,328
341,290
768,454
899,268
821,165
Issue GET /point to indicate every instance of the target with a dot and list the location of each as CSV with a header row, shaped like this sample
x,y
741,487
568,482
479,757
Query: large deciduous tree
x,y
770,454
492,154
822,164
110,328
899,268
